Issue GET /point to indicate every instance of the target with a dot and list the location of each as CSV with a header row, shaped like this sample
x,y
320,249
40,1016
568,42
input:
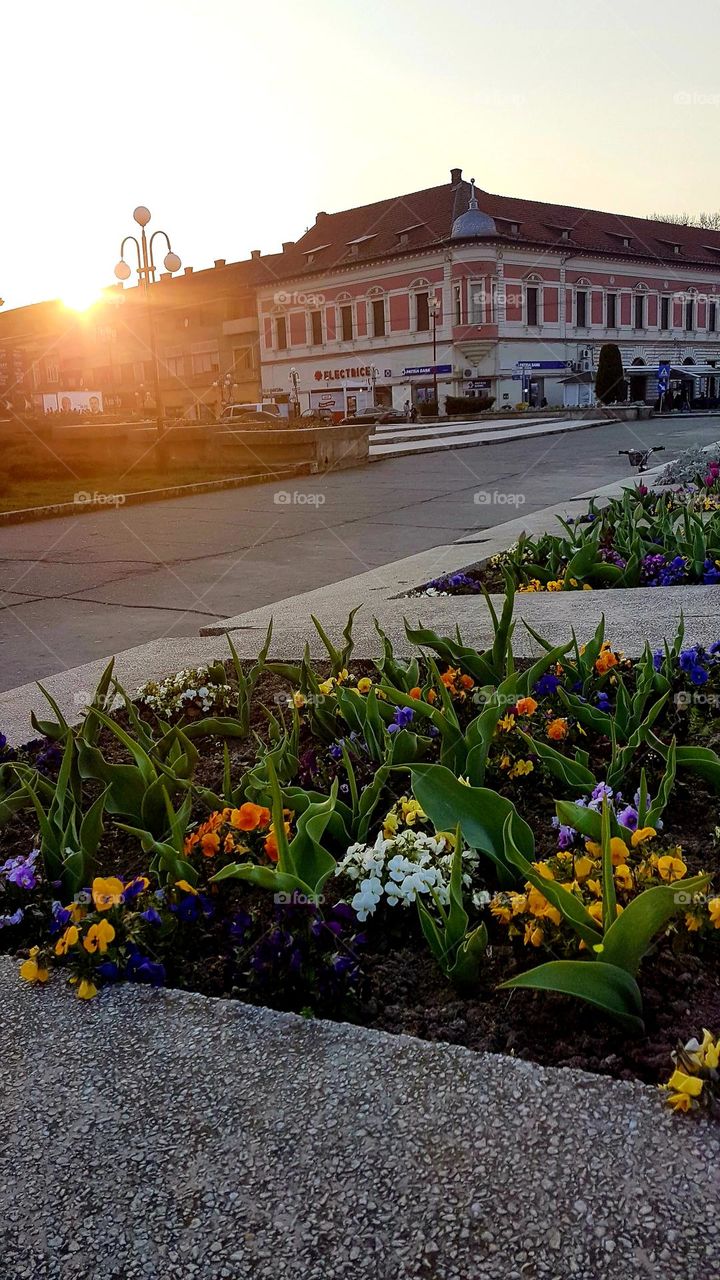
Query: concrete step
x,y
423,443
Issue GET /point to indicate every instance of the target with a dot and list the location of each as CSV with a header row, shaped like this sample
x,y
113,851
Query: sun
x,y
78,298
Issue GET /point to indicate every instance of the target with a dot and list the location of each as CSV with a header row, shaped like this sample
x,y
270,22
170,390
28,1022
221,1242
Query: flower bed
x,y
643,539
449,845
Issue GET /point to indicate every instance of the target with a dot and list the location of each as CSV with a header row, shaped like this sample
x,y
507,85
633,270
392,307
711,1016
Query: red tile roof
x,y
427,217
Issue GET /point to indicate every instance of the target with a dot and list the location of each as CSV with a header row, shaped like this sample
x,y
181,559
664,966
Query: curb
x,y
26,515
500,438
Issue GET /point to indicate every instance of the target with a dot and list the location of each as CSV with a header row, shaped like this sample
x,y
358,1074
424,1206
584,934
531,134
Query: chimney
x,y
219,262
321,214
255,253
287,244
455,176
188,271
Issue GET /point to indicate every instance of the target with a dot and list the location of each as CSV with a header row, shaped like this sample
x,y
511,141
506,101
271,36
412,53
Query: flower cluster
x,y
114,931
230,834
19,876
695,1082
191,693
638,865
403,862
663,571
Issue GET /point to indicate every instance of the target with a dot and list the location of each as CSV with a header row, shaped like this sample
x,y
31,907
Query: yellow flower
x,y
705,1055
327,686
595,888
534,935
586,586
98,937
521,768
596,911
411,811
77,911
556,585
583,867
186,888
505,761
107,892
86,989
299,699
539,906
390,825
543,869
518,903
671,868
364,685
342,676
692,922
68,939
507,723
681,1082
501,911
714,912
643,833
624,877
34,969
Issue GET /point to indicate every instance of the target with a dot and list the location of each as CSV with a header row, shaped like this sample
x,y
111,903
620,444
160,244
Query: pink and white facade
x,y
523,297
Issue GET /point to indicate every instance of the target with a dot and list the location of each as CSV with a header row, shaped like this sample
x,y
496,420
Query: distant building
x,y
527,293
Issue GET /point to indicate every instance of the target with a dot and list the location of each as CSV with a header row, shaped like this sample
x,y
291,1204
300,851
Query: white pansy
x,y
412,863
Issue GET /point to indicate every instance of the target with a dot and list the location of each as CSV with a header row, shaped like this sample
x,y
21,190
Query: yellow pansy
x,y
670,868
299,699
98,937
86,989
643,833
364,685
186,888
583,867
107,892
327,686
521,768
624,877
68,939
34,969
714,912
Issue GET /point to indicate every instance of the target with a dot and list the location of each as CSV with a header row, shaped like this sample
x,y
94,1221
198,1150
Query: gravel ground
x,y
163,1135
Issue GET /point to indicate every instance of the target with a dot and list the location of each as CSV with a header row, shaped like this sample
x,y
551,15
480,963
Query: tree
x,y
609,381
708,221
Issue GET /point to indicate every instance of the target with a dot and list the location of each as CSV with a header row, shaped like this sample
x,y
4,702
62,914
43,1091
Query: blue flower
x,y
151,916
546,685
603,701
403,717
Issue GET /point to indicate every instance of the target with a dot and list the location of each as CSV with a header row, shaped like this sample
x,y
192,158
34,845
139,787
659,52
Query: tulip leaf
x,y
604,985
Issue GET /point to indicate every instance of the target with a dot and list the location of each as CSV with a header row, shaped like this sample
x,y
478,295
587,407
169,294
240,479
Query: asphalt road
x,y
80,587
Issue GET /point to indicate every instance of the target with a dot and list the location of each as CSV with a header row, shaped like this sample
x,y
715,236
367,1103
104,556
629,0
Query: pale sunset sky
x,y
235,121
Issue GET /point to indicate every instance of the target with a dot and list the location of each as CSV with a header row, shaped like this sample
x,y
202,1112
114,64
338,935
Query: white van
x,y
238,412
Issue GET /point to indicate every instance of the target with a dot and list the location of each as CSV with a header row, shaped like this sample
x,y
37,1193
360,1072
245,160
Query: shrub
x,y
609,380
428,408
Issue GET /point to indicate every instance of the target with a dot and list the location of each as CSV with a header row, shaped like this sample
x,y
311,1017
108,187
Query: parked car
x,y
250,418
241,412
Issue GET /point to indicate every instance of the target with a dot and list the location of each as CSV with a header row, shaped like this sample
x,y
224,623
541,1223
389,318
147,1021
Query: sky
x,y
236,121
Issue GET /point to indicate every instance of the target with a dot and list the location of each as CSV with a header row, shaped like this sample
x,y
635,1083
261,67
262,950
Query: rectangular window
x,y
346,321
244,358
378,316
581,309
639,311
175,366
664,313
712,317
457,296
205,362
477,304
612,311
689,315
316,328
52,373
423,312
532,306
281,333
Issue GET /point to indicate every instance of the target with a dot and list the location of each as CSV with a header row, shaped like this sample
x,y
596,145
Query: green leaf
x,y
597,982
570,907
629,937
571,772
481,813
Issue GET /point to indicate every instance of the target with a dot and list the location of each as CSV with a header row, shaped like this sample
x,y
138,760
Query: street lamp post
x,y
295,391
146,272
434,307
225,387
374,375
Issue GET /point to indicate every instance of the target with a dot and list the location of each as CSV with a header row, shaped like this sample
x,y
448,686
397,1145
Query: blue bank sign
x,y
425,369
542,364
